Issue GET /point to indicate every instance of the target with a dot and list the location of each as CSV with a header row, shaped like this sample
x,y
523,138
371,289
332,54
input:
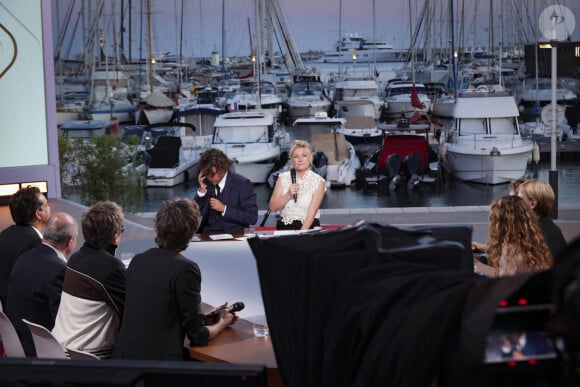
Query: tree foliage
x,y
102,168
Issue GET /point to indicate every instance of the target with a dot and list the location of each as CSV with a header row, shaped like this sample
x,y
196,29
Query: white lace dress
x,y
308,185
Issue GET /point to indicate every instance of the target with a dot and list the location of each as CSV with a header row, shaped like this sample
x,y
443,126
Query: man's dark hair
x,y
176,222
23,204
214,158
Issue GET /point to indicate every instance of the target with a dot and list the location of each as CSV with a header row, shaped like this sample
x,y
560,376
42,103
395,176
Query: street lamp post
x,y
354,61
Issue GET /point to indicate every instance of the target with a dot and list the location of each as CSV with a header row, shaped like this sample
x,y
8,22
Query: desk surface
x,y
237,344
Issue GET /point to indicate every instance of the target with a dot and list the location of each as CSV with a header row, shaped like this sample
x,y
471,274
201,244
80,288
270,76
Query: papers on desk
x,y
220,237
269,234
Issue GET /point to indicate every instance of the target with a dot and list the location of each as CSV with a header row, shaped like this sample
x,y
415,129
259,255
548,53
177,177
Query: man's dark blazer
x,y
240,198
34,290
13,241
162,307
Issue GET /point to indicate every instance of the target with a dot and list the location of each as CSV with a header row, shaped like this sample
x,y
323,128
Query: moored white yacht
x,y
324,134
173,158
367,51
534,94
485,145
358,88
251,139
399,98
244,98
308,95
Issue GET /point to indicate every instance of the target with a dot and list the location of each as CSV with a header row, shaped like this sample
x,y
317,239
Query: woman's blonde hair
x,y
300,144
541,192
513,227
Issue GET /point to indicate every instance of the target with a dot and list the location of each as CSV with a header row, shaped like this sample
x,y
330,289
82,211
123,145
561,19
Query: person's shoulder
x,y
315,176
239,179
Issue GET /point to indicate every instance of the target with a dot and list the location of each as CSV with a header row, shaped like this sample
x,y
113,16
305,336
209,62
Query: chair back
x,y
45,343
12,347
80,355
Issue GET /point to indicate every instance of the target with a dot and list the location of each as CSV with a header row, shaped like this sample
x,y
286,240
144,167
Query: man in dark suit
x,y
162,304
35,285
30,211
227,201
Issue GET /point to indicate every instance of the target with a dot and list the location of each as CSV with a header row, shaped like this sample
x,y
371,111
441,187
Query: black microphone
x,y
293,177
212,317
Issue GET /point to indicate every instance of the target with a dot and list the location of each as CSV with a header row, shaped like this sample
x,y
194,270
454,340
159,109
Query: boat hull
x,y
253,162
169,177
485,168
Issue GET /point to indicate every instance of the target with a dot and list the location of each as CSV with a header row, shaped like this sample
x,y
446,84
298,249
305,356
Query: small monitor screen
x,y
517,345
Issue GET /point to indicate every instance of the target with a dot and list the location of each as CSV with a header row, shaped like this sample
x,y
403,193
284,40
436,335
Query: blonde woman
x,y
516,243
541,197
298,199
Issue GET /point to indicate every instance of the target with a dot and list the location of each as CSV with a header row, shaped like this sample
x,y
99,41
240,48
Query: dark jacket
x,y
162,307
553,236
242,210
14,241
34,290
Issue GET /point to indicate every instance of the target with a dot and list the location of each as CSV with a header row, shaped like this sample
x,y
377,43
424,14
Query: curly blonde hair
x,y
514,231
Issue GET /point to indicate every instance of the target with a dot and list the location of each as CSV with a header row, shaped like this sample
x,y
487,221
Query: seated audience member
x,y
298,201
514,185
540,196
171,284
93,295
227,200
515,244
30,211
35,285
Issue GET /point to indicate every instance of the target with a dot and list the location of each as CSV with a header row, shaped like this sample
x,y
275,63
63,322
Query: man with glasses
x,y
35,285
227,200
93,295
30,212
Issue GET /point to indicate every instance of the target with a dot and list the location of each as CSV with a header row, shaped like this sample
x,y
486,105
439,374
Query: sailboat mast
x,y
412,44
340,38
374,40
223,30
149,47
257,75
453,57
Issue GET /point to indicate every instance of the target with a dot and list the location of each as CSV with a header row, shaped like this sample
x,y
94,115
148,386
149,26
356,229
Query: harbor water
x,y
450,193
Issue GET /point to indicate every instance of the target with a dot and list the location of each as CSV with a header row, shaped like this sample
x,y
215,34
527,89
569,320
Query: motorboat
x,y
203,113
485,144
307,96
86,128
359,129
367,51
173,152
335,158
358,88
154,109
403,159
442,101
252,140
404,96
245,98
534,94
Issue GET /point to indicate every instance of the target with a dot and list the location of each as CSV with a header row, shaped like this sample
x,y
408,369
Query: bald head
x,y
61,232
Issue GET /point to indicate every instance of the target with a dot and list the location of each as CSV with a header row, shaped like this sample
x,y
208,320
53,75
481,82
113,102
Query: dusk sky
x,y
313,24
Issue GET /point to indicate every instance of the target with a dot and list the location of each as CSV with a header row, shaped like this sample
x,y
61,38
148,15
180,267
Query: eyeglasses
x,y
122,228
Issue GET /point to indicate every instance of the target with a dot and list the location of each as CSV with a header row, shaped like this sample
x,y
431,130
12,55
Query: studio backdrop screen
x,y
23,123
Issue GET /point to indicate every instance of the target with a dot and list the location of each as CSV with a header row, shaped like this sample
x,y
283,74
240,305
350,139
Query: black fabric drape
x,y
377,305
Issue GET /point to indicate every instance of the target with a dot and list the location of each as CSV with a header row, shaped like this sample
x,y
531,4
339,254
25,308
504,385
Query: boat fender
x,y
443,152
536,153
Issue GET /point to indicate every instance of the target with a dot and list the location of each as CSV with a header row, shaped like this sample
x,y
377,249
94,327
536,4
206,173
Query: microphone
x,y
293,177
212,317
